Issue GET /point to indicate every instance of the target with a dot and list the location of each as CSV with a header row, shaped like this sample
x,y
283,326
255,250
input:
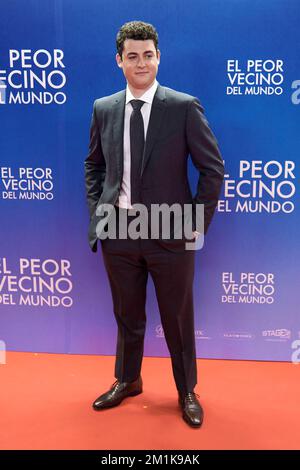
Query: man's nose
x,y
141,62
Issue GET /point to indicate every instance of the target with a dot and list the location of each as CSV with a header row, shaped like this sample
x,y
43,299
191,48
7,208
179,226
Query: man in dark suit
x,y
140,141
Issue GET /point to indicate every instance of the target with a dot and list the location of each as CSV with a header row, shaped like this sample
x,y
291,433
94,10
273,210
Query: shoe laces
x,y
115,384
190,397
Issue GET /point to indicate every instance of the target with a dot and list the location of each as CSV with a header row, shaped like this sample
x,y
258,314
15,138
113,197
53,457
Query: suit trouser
x,y
128,263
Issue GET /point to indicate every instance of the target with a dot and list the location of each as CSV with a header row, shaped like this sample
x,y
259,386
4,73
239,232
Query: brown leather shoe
x,y
192,411
117,393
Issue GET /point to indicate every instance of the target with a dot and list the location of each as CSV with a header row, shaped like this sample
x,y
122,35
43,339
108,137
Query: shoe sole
x,y
132,394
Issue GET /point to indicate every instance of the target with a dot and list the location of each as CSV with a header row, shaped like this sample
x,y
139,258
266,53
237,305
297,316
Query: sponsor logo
x,y
159,331
279,334
238,335
200,334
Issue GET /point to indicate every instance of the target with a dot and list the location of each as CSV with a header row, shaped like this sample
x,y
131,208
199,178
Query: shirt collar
x,y
147,96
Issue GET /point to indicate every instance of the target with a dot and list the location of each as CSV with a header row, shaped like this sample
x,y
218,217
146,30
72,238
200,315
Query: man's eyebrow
x,y
135,53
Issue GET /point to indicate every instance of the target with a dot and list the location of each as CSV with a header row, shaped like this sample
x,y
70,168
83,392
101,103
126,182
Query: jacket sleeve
x,y
94,166
207,159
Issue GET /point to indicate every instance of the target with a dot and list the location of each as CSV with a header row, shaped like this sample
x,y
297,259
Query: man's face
x,y
139,62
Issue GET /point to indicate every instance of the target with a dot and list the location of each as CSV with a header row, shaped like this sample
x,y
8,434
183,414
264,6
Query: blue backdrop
x,y
241,60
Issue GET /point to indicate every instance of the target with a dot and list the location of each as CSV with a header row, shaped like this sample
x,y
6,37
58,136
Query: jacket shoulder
x,y
178,96
105,101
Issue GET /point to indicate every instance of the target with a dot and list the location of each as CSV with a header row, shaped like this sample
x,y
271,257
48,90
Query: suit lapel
x,y
155,121
118,130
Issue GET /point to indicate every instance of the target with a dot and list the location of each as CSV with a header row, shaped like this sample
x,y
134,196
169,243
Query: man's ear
x,y
119,60
158,55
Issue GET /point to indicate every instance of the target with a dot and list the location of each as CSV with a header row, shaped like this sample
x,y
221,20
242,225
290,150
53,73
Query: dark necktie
x,y
137,142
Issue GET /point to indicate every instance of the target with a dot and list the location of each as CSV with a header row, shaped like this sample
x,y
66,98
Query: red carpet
x,y
45,403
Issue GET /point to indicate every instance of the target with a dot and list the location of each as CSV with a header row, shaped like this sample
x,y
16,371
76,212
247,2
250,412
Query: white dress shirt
x,y
124,200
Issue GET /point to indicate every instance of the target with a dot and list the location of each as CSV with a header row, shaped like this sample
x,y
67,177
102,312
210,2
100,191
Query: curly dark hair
x,y
137,30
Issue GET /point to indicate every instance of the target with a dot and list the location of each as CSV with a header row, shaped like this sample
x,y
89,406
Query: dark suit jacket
x,y
177,128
